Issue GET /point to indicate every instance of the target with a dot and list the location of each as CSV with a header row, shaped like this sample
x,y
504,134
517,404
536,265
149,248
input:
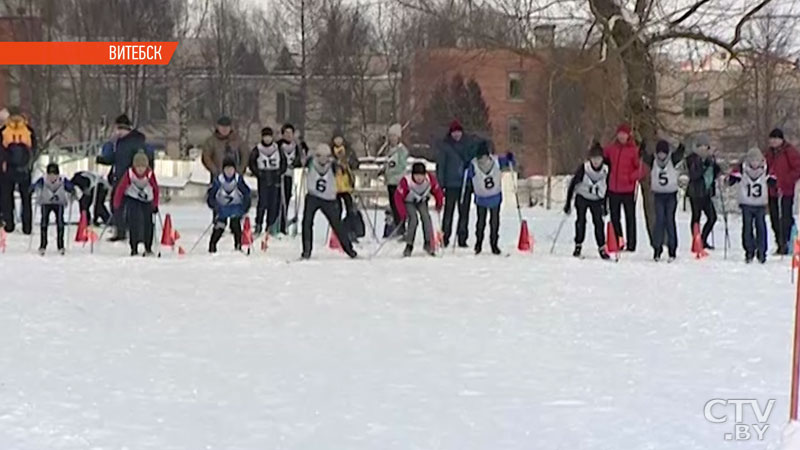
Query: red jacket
x,y
125,182
625,165
784,164
402,191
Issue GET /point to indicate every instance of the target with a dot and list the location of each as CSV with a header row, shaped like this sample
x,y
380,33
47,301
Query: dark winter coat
x,y
623,161
703,175
302,153
216,148
784,164
119,153
452,160
267,177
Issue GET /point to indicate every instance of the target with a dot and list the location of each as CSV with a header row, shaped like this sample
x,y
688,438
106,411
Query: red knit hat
x,y
455,125
624,128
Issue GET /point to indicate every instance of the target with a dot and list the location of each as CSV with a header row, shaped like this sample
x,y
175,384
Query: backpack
x,y
355,222
18,141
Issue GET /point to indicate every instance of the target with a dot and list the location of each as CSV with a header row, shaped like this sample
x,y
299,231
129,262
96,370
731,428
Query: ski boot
x,y
577,252
604,254
351,253
62,252
42,251
671,257
134,252
496,250
478,247
748,259
407,251
657,255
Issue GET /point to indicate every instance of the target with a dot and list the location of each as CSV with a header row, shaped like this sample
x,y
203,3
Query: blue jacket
x,y
452,159
119,153
495,200
227,211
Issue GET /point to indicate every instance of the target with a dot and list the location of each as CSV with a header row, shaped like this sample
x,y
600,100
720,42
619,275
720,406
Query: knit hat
x,y
776,133
266,131
418,168
595,150
483,149
123,121
224,121
754,155
140,160
322,150
702,140
624,128
228,162
662,146
455,125
52,169
396,130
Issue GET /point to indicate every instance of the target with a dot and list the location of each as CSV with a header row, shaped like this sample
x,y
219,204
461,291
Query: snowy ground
x,y
527,352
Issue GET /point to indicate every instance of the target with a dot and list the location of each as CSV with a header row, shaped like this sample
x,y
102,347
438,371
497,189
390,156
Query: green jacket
x,y
395,166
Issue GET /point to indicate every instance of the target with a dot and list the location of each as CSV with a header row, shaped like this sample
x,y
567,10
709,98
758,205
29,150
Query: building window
x,y
515,86
515,135
288,108
696,104
734,107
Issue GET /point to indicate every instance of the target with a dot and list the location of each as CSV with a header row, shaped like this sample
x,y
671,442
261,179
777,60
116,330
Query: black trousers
x,y
58,210
754,231
494,225
9,182
452,197
330,209
269,204
596,208
140,223
344,201
219,227
100,210
392,188
666,205
119,216
700,206
288,184
781,220
616,202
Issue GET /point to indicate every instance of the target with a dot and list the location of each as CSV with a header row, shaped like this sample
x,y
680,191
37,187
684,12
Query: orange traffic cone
x,y
247,233
265,242
333,242
82,235
438,239
92,235
613,245
697,243
525,243
796,254
167,234
181,251
3,238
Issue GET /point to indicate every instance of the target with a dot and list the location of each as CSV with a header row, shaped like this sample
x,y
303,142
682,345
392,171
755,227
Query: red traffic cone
x,y
697,243
613,245
333,242
82,235
3,237
92,235
525,243
438,238
167,234
176,236
247,233
265,242
181,251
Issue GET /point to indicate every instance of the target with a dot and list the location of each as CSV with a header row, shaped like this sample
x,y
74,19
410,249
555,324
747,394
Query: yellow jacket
x,y
346,163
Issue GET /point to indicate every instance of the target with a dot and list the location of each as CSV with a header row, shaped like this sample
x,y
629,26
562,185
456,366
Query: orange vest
x,y
17,132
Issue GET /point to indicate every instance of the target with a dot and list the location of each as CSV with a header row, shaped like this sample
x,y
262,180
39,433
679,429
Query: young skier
x,y
346,162
268,164
411,201
395,167
754,182
137,192
703,172
487,181
89,181
54,194
590,182
229,198
664,184
295,153
321,186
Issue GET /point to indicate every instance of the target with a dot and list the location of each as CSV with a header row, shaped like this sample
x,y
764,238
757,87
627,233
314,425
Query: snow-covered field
x,y
461,352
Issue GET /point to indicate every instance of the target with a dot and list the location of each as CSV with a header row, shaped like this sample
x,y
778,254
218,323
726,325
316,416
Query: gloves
x,y
567,208
155,210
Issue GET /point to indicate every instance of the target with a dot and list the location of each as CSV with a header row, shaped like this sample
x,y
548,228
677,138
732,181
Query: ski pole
x,y
201,237
385,241
93,206
69,221
725,220
33,222
161,224
558,233
461,202
375,210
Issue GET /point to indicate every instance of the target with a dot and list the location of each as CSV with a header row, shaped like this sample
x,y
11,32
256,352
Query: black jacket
x,y
120,154
269,177
698,167
18,157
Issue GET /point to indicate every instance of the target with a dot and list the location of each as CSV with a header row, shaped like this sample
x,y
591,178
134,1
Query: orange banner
x,y
86,53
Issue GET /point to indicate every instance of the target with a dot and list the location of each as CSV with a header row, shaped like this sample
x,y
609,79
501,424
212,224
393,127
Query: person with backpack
x,y
19,151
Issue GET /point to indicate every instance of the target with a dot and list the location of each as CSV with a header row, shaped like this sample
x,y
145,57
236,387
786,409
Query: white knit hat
x,y
396,130
322,151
